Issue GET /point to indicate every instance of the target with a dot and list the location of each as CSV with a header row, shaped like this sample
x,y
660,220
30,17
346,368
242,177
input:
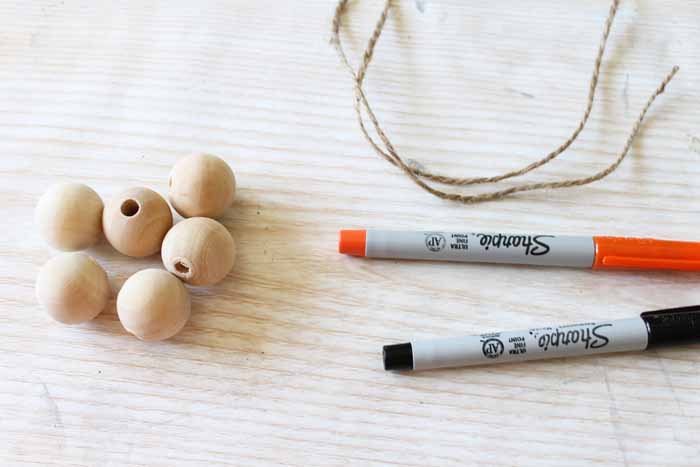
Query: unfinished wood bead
x,y
199,250
73,288
153,305
136,220
201,185
69,216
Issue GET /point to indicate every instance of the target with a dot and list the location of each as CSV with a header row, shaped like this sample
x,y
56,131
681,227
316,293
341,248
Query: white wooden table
x,y
280,364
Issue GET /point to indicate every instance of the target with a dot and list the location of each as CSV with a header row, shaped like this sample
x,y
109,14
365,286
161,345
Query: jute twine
x,y
422,177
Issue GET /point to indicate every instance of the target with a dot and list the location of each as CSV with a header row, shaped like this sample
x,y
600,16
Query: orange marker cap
x,y
645,253
353,242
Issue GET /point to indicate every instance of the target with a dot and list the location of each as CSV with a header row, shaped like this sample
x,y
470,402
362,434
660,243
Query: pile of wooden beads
x,y
153,304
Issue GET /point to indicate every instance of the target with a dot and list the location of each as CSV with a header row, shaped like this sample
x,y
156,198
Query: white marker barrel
x,y
543,250
532,344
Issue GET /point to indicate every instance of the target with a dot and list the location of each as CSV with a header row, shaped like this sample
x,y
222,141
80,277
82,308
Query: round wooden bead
x,y
201,185
136,220
153,305
69,216
73,288
199,250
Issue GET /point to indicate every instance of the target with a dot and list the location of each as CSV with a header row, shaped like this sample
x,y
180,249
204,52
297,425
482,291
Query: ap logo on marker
x,y
492,347
435,241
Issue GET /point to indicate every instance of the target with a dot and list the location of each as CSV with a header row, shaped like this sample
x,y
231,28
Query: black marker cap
x,y
398,357
672,326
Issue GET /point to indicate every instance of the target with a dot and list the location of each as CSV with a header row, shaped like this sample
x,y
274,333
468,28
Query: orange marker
x,y
541,250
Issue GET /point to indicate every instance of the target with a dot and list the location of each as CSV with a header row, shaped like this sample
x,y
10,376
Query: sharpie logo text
x,y
591,336
534,245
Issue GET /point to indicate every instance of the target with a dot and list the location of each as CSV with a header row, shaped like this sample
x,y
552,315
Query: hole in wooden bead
x,y
130,207
181,267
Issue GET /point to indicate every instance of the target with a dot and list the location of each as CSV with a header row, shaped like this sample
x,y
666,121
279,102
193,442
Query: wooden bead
x,y
201,185
73,288
153,305
69,216
136,220
199,250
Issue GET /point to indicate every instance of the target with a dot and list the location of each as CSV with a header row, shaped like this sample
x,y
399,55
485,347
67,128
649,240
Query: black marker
x,y
651,329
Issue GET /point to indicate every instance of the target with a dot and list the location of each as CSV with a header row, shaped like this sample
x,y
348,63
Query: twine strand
x,y
419,175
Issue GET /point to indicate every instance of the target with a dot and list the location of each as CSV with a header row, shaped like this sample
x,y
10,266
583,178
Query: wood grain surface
x,y
280,364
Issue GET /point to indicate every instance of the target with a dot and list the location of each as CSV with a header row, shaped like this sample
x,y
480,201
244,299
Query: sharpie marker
x,y
647,331
540,250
